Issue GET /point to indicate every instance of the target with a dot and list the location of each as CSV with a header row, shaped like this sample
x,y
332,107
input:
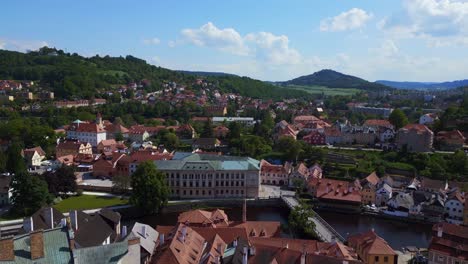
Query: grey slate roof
x,y
56,248
109,254
92,230
147,240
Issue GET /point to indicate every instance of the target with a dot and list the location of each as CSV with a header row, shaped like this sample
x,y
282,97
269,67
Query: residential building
x,y
220,131
88,132
246,121
206,143
401,204
454,208
386,134
369,188
194,175
203,218
5,193
299,173
335,193
378,124
284,129
333,136
148,241
33,156
415,138
450,140
449,244
114,129
315,138
428,119
274,174
215,110
383,194
316,171
72,147
138,134
110,145
373,249
106,165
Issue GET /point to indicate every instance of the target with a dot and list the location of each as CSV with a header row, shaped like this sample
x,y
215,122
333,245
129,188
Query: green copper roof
x,y
207,162
56,248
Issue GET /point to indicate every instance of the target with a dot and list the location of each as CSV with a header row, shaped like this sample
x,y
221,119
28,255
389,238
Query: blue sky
x,y
412,40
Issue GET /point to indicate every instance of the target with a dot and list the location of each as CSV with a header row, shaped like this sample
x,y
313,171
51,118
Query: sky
x,y
274,40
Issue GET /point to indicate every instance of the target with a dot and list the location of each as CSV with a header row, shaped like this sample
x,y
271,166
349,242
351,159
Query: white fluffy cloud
x,y
354,18
266,47
21,45
441,22
227,39
152,41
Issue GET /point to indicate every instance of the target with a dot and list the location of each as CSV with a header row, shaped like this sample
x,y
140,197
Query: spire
x,y
244,211
99,119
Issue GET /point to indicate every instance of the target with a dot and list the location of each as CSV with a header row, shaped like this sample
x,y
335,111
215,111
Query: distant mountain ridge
x,y
425,85
334,79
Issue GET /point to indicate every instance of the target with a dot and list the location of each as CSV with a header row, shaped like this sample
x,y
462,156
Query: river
x,y
397,234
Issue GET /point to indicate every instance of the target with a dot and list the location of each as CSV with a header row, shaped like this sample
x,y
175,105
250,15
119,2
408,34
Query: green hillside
x,y
74,76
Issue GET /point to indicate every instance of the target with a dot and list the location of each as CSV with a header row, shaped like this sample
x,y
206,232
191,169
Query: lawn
x,y
85,202
325,90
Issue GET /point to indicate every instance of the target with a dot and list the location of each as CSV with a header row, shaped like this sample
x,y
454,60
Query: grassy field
x,y
325,90
84,202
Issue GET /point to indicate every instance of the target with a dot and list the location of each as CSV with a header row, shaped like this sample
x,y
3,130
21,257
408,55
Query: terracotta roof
x,y
335,190
86,127
116,128
371,243
30,151
452,229
305,118
453,240
450,135
267,167
372,179
203,217
71,145
378,122
419,128
260,228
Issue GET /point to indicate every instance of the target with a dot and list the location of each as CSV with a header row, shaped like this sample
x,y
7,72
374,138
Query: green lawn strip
x,y
85,202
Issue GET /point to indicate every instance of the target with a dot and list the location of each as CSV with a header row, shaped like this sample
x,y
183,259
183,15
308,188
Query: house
x,y
335,193
215,110
71,147
245,121
449,244
383,194
115,129
369,188
299,173
386,134
454,208
315,138
87,132
33,156
148,240
274,174
428,119
106,166
316,171
206,143
401,203
415,138
203,218
138,134
333,136
373,249
108,145
378,123
220,131
284,129
450,140
5,194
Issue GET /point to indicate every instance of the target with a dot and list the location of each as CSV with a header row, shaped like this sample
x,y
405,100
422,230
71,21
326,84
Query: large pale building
x,y
194,175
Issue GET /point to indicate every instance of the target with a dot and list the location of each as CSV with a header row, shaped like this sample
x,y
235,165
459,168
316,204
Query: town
x,y
247,138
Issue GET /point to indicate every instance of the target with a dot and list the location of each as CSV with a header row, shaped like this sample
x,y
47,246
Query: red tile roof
x,y
335,190
203,217
371,243
419,128
378,122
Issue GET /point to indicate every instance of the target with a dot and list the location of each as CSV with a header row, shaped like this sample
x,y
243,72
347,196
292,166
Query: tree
x,y
289,146
29,193
207,129
234,130
61,181
15,163
171,141
299,220
398,118
150,191
121,183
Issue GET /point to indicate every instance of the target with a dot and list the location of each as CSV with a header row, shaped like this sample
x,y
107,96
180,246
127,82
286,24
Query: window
x,y
376,258
385,259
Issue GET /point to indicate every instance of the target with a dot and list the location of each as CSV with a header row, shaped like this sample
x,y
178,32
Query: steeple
x,y
99,119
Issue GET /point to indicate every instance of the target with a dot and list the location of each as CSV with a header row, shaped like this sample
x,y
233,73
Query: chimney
x,y
63,222
37,244
161,239
184,233
124,231
244,211
286,246
49,217
220,248
234,243
303,258
7,249
440,230
74,219
143,231
28,224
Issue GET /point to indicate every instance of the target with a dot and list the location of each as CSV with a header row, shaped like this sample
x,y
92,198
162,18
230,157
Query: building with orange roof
x,y
72,147
204,218
415,138
372,249
378,123
450,140
220,131
274,174
106,165
87,132
369,188
449,244
300,172
33,156
335,193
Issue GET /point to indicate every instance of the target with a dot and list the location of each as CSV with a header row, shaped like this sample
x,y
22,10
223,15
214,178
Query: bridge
x,y
322,228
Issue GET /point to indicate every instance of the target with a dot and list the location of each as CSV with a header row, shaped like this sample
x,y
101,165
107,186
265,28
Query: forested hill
x,y
333,79
425,85
74,76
